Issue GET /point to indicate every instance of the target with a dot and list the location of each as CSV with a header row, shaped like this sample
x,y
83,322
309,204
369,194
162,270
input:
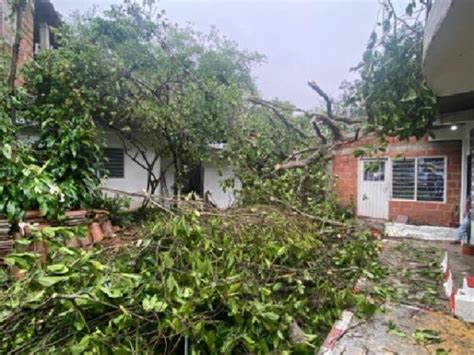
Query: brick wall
x,y
345,173
7,36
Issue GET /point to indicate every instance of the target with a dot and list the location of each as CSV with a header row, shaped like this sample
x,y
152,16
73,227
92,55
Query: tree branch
x,y
289,126
312,84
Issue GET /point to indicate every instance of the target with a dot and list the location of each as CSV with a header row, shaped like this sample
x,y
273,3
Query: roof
x,y
45,13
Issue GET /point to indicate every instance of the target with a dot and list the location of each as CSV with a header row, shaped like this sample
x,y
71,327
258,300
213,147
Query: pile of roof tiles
x,y
6,240
97,222
71,218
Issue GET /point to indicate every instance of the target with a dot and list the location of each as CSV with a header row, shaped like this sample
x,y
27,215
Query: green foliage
x,y
63,110
58,172
391,89
427,336
165,90
229,283
116,207
261,142
24,181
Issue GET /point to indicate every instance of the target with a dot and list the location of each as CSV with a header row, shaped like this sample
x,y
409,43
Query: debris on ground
x,y
399,329
414,276
415,315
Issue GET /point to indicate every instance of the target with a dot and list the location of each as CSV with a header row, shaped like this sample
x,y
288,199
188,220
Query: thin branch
x,y
312,84
276,110
318,131
398,18
310,216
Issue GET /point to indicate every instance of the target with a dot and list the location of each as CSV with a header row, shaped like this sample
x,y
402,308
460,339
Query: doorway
x,y
374,188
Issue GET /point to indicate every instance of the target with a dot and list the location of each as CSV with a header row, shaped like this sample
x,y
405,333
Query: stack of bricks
x,y
6,241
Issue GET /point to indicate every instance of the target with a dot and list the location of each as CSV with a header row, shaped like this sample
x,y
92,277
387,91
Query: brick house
x,y
425,180
38,18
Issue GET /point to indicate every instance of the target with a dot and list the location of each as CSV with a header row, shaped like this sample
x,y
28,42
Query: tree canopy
x,y
391,90
161,88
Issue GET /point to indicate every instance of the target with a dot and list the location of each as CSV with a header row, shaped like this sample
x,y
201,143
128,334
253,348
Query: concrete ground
x,y
415,317
406,330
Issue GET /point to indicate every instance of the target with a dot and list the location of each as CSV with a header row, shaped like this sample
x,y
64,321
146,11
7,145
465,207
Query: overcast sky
x,y
302,40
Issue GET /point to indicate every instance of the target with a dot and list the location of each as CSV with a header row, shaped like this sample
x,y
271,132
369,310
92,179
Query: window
x,y
430,184
403,179
420,179
374,170
114,162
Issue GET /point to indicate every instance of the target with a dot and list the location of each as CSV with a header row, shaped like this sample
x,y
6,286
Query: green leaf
x,y
97,265
58,268
111,292
48,281
409,96
7,151
153,304
427,336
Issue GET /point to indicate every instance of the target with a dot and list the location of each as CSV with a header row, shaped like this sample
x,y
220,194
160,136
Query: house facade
x,y
427,180
448,67
124,174
38,18
420,179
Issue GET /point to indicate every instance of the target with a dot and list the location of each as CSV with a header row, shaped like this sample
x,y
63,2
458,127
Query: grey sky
x,y
303,40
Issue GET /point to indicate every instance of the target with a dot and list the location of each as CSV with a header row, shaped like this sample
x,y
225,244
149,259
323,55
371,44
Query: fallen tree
x,y
240,281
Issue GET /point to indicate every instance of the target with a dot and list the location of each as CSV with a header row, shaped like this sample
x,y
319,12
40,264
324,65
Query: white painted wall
x,y
135,177
449,47
213,183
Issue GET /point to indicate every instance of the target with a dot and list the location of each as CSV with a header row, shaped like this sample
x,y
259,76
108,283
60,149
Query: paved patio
x,y
415,316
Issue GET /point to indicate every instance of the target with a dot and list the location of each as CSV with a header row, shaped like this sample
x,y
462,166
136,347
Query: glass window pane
x,y
430,179
374,170
403,179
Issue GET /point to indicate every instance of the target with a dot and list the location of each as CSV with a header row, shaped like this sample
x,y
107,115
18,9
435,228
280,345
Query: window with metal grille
x,y
114,162
420,179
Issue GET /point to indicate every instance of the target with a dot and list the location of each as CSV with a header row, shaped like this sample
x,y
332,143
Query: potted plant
x,y
467,247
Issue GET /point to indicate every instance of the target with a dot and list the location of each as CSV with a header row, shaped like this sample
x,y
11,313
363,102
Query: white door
x,y
374,191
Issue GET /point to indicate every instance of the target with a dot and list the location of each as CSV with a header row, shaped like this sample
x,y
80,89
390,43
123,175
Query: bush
x,y
228,283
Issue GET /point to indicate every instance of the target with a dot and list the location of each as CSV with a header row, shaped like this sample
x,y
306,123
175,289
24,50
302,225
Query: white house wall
x,y
213,183
135,177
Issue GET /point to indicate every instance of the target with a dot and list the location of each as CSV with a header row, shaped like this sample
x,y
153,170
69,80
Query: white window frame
x,y
414,199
